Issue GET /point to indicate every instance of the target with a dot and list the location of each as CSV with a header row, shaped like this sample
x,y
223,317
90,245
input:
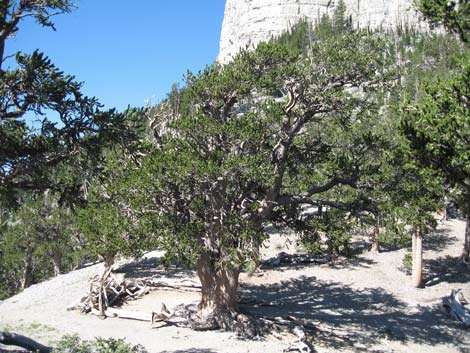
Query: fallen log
x,y
124,314
457,310
13,339
163,315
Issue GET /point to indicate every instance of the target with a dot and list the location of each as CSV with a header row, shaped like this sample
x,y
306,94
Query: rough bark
x,y
466,247
2,50
56,259
417,270
102,299
3,15
217,308
108,262
27,280
375,240
218,275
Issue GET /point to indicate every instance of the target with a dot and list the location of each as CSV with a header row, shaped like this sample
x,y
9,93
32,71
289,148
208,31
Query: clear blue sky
x,y
127,51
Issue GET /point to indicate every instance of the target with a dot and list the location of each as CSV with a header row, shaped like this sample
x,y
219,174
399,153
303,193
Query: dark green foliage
x,y
331,234
12,11
437,124
51,141
437,120
38,87
71,127
113,218
36,237
301,38
453,15
73,344
391,191
407,262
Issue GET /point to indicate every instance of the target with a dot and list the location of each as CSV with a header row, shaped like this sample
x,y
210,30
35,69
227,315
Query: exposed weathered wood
x,y
108,289
457,309
13,339
417,268
163,315
302,345
78,304
128,314
183,286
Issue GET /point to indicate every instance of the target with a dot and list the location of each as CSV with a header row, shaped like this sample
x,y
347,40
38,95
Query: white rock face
x,y
248,22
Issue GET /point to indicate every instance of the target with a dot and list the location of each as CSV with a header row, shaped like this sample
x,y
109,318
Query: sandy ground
x,y
363,305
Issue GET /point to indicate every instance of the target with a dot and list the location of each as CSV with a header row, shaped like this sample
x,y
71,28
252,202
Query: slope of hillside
x,y
362,305
249,22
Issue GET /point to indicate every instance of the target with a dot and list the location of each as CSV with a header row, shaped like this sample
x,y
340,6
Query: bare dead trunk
x,y
417,270
217,308
375,246
27,280
375,240
2,52
108,262
56,259
102,300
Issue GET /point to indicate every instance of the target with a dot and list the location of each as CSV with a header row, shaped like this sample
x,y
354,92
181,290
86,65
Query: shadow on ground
x,y
152,267
192,350
359,319
439,239
446,269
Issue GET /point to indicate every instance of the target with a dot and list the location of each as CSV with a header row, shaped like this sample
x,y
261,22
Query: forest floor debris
x,y
362,305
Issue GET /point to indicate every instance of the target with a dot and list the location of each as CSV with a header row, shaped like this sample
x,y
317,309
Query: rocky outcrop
x,y
248,22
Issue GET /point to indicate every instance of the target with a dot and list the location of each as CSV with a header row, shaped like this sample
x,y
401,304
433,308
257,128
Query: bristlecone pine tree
x,y
251,142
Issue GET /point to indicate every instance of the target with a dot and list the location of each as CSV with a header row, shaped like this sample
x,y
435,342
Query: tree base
x,y
226,320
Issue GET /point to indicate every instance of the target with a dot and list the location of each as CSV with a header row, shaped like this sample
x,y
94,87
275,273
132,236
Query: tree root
x,y
227,320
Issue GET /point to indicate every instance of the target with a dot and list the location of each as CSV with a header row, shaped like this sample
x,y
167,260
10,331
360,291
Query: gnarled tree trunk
x,y
108,265
417,270
108,262
217,308
56,259
375,240
466,247
27,280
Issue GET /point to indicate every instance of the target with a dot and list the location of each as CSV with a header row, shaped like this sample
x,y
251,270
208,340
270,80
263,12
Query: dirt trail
x,y
364,305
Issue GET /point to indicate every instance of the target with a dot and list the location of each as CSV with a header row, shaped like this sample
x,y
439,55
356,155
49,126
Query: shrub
x,y
73,344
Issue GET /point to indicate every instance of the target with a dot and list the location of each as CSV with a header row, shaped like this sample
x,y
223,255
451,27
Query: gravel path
x,y
365,305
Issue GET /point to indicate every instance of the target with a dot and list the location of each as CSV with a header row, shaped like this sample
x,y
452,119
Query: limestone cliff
x,y
248,22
